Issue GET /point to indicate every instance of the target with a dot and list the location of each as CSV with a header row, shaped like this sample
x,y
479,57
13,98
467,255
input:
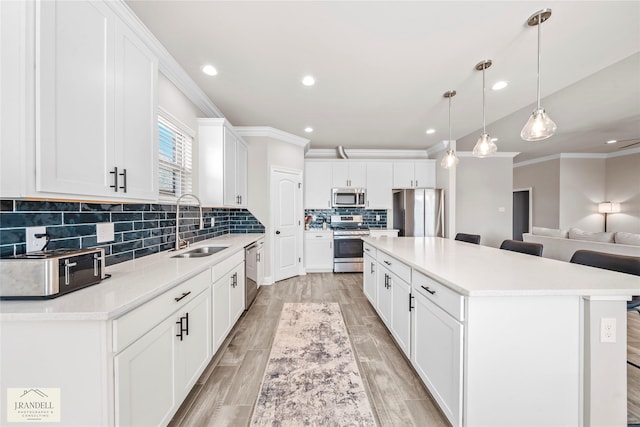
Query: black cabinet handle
x,y
114,172
387,262
428,290
186,321
277,231
410,302
184,294
124,180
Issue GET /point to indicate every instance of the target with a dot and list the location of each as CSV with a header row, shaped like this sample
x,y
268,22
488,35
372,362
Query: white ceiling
x,y
382,68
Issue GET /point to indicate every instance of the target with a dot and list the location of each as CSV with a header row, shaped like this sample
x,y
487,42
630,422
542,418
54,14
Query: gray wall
x,y
544,179
623,186
484,191
567,190
582,187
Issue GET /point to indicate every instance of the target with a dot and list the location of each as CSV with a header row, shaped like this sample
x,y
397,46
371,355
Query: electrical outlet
x,y
213,221
34,243
377,218
607,329
105,232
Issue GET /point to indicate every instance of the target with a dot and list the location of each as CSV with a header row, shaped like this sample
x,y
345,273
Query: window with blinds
x,y
175,163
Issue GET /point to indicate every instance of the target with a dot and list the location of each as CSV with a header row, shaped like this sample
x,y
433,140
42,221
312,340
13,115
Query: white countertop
x,y
477,270
132,283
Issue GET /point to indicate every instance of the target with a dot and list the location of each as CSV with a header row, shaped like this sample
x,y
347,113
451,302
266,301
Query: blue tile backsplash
x,y
140,229
369,216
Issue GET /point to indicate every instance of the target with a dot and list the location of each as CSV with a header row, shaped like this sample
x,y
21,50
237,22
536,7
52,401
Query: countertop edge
x,y
135,302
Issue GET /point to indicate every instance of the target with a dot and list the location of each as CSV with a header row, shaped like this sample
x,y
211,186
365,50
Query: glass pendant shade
x,y
449,160
538,127
485,146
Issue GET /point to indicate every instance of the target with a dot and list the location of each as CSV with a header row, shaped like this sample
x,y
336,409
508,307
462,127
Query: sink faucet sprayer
x,y
182,243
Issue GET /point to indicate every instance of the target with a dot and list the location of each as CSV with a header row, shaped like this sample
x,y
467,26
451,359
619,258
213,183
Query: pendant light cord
x,y
539,25
484,130
449,144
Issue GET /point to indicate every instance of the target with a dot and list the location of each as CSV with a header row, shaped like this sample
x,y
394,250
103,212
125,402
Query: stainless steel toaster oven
x,y
49,274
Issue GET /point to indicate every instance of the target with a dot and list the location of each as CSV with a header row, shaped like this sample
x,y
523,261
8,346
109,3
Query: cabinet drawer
x,y
222,268
442,296
131,326
369,250
320,235
398,268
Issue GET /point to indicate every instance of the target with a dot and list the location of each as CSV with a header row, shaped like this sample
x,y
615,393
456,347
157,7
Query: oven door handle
x,y
353,237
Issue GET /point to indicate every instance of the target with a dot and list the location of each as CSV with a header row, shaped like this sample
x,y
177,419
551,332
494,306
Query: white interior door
x,y
286,214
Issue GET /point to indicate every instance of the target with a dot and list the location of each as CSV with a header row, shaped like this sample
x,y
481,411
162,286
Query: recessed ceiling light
x,y
612,141
209,70
308,129
431,131
499,85
308,81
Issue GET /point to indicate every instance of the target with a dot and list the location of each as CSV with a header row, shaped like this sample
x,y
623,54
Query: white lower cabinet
x,y
437,355
156,372
145,381
228,297
369,278
318,251
383,305
401,313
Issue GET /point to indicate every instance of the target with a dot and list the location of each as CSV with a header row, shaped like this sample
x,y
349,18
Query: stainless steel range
x,y
347,243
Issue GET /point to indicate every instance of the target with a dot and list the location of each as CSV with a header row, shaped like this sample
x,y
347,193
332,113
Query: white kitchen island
x,y
502,338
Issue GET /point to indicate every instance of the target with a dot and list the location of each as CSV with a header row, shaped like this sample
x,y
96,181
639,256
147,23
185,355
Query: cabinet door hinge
x,y
299,185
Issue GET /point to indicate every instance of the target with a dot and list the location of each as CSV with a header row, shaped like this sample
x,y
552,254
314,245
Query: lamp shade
x,y
608,207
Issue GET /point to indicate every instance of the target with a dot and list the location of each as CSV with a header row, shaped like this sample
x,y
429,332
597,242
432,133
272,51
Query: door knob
x,y
278,232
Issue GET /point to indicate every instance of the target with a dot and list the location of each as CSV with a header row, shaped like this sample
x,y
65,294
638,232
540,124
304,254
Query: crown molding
x,y
167,64
501,154
577,156
274,133
355,153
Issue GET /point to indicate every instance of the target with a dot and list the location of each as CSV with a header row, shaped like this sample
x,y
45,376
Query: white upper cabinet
x,y
95,104
379,185
136,115
414,174
317,184
13,102
348,174
222,164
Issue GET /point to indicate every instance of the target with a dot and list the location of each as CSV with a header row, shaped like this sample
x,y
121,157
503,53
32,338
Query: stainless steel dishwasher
x,y
251,274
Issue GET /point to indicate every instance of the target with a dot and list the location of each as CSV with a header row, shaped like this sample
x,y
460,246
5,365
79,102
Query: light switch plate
x,y
105,232
33,243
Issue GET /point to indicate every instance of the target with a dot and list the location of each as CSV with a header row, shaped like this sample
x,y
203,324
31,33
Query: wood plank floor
x,y
227,390
633,373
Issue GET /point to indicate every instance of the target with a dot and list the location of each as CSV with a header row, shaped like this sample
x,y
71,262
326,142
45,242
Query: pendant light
x,y
450,159
485,146
539,126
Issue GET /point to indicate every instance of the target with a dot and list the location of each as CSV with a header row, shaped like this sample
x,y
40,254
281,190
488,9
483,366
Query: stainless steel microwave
x,y
348,197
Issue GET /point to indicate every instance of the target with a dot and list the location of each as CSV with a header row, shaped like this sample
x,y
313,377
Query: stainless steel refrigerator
x,y
419,212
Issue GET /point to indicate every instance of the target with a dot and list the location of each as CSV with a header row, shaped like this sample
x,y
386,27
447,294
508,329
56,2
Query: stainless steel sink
x,y
201,252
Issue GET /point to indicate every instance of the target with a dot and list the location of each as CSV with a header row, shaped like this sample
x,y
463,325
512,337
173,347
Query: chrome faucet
x,y
183,243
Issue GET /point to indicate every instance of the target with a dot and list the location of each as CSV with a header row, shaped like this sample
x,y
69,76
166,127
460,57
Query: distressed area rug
x,y
312,378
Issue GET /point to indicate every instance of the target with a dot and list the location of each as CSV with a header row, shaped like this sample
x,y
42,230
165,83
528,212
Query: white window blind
x,y
175,163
